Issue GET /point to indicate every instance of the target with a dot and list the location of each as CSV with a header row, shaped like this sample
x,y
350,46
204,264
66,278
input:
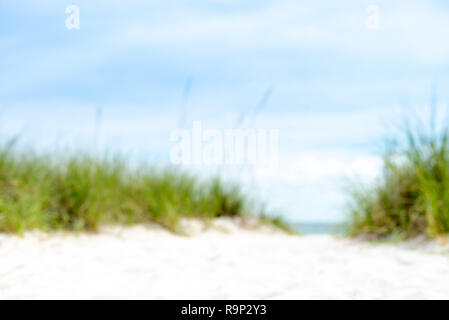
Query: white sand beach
x,y
224,262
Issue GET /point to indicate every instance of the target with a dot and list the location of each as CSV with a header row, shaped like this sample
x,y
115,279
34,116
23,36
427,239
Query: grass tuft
x,y
81,193
412,196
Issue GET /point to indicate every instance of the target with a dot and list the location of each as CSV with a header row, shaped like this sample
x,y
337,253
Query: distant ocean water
x,y
318,228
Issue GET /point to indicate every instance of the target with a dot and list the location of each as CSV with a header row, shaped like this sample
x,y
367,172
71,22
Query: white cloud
x,y
411,31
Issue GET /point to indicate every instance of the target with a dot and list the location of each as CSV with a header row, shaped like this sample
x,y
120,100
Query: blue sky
x,y
335,85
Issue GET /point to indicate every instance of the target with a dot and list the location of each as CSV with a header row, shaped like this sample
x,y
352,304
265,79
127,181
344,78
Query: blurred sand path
x,y
149,262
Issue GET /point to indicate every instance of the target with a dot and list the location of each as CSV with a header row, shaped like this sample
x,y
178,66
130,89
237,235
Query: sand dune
x,y
149,262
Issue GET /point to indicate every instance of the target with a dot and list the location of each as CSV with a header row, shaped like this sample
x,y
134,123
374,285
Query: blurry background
x,y
317,71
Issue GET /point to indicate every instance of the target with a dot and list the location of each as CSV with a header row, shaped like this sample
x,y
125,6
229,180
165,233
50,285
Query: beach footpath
x,y
225,261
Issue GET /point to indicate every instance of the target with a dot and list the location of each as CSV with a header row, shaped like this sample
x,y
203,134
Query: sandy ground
x,y
148,262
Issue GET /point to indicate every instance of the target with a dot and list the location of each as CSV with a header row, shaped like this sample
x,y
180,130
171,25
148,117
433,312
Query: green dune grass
x,y
79,193
412,196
